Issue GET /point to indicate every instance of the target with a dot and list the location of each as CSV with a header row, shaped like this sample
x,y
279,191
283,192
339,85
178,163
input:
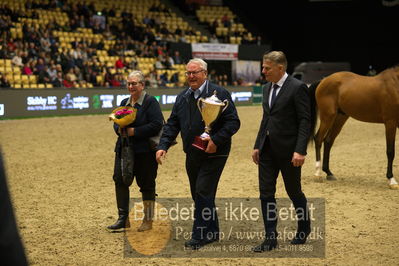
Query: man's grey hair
x,y
138,74
200,62
277,57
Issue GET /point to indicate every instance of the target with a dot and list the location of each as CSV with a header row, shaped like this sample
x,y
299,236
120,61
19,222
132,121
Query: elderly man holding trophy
x,y
206,117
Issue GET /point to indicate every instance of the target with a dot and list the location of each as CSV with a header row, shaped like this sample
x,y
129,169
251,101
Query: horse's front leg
x,y
390,133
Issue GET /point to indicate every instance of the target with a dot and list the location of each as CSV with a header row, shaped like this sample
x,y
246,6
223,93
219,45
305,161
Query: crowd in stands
x,y
70,44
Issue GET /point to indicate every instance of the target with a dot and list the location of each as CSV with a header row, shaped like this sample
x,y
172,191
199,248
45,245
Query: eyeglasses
x,y
133,83
188,73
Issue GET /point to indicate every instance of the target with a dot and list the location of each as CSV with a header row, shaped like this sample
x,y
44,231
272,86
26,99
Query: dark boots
x,y
302,213
122,201
148,215
122,223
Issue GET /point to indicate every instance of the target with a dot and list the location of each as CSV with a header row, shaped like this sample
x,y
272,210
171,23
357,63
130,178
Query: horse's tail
x,y
313,111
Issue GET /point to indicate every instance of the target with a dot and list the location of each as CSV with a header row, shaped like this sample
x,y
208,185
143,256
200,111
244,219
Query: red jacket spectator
x,y
67,83
119,63
26,70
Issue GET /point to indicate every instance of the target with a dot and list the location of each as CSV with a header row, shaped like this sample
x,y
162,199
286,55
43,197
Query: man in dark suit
x,y
281,146
203,168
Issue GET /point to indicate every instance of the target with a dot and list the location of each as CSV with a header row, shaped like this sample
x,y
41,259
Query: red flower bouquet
x,y
123,115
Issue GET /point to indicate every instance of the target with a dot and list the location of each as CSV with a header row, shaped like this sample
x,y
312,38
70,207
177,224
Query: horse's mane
x,y
394,68
392,74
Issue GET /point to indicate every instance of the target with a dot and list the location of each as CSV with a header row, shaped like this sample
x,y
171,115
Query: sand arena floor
x,y
60,178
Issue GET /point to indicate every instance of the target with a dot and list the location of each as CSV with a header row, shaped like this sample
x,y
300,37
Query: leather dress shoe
x,y
197,244
300,237
267,245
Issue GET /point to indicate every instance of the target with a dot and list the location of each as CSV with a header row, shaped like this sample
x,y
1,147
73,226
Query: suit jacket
x,y
191,125
287,123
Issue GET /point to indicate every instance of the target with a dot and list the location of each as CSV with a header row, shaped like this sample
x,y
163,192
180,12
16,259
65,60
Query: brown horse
x,y
368,99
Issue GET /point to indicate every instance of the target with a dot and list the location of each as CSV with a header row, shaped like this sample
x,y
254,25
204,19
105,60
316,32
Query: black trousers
x,y
269,168
145,171
204,173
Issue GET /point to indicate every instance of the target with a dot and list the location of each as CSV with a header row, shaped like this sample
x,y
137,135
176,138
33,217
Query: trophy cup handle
x,y
198,104
226,103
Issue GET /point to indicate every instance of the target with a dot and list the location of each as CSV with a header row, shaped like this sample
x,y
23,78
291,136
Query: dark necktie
x,y
274,94
193,104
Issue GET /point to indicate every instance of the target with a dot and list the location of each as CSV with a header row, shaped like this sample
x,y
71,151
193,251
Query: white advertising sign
x,y
215,51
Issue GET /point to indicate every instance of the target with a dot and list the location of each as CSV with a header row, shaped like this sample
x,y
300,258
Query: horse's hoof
x,y
331,178
394,186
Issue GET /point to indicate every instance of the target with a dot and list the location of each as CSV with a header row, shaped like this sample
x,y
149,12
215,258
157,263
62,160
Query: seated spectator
x,y
70,76
58,82
182,38
226,21
212,77
40,65
67,82
119,64
214,25
45,42
44,77
4,82
158,64
32,51
178,31
78,74
108,76
164,29
152,79
171,61
122,80
177,59
168,62
17,59
52,72
148,20
133,64
213,39
175,78
164,79
115,83
170,38
26,70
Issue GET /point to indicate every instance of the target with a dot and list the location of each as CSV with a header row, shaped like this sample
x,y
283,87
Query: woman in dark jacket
x,y
148,123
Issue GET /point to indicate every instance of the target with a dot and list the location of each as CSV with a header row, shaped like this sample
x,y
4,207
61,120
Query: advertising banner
x,y
49,102
215,51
